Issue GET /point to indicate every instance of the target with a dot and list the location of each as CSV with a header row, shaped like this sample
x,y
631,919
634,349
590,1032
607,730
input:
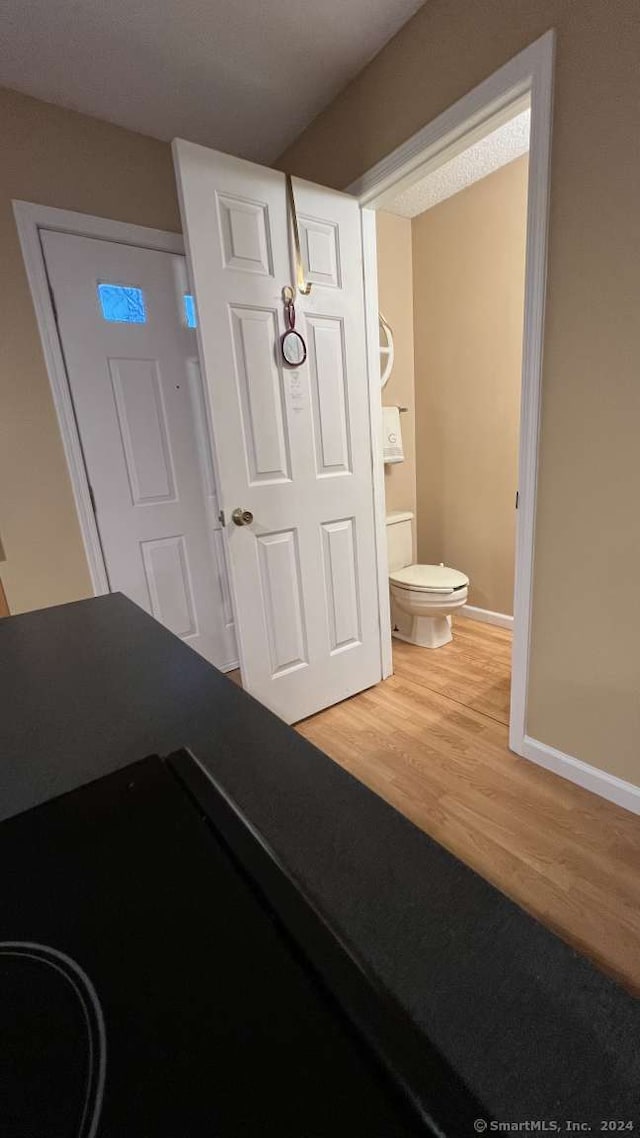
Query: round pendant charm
x,y
294,349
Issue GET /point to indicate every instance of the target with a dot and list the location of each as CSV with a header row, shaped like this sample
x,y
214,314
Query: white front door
x,y
293,445
132,365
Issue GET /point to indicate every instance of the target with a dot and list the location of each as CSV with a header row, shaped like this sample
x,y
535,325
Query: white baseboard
x,y
229,667
486,616
608,786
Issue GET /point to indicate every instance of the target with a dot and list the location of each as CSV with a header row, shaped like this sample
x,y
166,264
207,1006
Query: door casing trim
x,y
526,77
30,219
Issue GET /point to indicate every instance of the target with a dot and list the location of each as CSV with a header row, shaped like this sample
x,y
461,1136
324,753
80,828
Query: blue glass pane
x,y
122,303
190,311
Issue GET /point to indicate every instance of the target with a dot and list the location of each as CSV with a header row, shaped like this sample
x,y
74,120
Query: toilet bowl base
x,y
426,631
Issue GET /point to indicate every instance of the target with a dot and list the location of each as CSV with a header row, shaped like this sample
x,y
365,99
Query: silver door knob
x,y
242,517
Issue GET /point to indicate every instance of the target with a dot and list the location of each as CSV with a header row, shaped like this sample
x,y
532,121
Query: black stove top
x,y
161,975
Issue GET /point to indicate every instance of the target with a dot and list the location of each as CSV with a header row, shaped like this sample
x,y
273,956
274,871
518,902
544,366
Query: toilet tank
x,y
399,540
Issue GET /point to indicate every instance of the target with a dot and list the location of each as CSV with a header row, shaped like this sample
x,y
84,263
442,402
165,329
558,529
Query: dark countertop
x,y
530,1026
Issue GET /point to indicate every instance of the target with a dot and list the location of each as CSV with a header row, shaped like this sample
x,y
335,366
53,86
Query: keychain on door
x,y
294,349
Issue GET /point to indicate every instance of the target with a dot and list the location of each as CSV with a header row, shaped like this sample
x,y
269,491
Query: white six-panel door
x,y
134,376
293,445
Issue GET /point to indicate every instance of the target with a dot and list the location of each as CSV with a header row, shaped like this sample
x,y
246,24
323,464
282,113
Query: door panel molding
x,y
166,562
141,414
245,235
341,583
281,582
329,394
265,431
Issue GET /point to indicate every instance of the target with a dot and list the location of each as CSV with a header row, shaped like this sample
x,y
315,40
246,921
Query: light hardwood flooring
x,y
432,741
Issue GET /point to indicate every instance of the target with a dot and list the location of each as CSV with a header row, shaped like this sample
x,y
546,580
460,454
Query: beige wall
x,y
584,688
57,158
395,294
468,288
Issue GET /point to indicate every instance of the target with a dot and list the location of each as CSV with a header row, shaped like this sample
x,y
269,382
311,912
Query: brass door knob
x,y
242,517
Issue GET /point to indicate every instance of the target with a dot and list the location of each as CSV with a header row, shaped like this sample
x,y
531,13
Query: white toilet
x,y
423,597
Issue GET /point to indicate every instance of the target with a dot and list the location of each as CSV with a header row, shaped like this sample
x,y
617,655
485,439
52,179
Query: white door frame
x,y
30,219
526,77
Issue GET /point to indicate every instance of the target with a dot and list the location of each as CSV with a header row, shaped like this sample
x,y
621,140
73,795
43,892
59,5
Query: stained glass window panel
x,y
122,304
190,311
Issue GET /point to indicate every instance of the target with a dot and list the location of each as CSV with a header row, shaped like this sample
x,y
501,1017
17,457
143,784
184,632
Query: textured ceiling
x,y
244,77
509,141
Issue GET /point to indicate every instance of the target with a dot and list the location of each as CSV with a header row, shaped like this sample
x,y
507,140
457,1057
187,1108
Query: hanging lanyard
x,y
292,345
302,285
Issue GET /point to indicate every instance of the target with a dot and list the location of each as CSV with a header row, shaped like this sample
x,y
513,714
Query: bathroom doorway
x,y
451,253
476,348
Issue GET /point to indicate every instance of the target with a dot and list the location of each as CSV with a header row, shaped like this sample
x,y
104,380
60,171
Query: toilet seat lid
x,y
429,578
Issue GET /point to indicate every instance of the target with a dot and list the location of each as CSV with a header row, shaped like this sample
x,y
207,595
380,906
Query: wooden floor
x,y
432,740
